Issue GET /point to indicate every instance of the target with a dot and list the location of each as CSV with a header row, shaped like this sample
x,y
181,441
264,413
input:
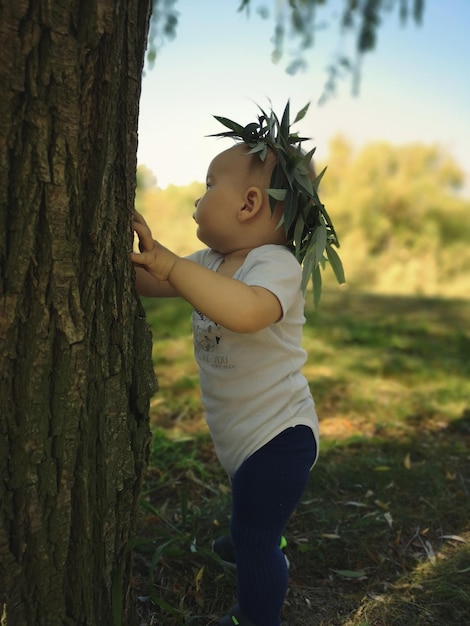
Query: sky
x,y
414,86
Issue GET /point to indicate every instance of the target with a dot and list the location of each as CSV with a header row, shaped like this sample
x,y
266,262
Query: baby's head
x,y
235,210
276,156
270,158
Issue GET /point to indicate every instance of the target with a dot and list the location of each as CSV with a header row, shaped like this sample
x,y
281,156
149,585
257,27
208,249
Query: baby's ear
x,y
253,202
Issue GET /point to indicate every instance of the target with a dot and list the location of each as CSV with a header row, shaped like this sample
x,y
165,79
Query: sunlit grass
x,y
382,534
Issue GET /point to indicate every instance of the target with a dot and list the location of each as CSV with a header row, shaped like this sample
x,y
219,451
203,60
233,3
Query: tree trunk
x,y
75,367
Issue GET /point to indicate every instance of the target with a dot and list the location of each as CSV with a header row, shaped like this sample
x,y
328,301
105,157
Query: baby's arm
x,y
149,286
226,301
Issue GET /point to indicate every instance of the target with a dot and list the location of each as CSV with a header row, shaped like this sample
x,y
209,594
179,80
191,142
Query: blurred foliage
x,y
169,212
146,179
401,217
162,26
299,21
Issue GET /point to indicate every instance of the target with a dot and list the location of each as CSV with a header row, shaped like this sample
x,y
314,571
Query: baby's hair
x,y
293,182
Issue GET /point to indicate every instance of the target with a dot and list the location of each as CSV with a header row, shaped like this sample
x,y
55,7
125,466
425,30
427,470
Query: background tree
x,y
357,23
75,368
400,206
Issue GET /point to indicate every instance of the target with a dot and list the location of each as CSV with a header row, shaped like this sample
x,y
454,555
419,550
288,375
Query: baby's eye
x,y
208,185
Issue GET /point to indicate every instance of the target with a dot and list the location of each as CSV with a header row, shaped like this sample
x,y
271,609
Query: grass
x,y
382,535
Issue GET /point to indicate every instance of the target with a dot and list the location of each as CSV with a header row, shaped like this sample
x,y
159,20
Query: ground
x,y
382,534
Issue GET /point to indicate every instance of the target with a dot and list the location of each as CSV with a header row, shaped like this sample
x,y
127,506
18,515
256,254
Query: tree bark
x,y
75,366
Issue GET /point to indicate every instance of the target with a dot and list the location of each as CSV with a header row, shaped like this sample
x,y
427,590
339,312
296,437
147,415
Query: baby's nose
x,y
196,202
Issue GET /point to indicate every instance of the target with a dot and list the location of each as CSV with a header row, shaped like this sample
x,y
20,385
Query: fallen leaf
x,y
453,538
347,573
192,476
199,576
429,551
382,505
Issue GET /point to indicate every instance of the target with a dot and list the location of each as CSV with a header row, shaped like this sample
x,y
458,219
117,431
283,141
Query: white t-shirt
x,y
251,384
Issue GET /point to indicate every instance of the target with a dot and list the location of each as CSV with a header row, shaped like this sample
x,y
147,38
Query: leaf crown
x,y
309,229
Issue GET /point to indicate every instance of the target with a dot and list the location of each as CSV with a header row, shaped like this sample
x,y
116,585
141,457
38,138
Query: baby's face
x,y
216,211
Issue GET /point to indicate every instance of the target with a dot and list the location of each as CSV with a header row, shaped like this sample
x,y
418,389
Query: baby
x,y
246,291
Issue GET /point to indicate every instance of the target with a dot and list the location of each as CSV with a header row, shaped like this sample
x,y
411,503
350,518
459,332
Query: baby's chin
x,y
201,237
205,241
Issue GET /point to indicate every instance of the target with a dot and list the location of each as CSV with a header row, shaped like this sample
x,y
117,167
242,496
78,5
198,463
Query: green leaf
x,y
285,121
320,232
302,113
303,181
298,232
329,223
275,183
277,194
290,209
308,155
307,270
309,259
230,124
317,285
336,264
260,147
317,180
276,177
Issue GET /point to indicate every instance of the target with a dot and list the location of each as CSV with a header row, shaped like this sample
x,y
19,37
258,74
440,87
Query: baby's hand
x,y
153,257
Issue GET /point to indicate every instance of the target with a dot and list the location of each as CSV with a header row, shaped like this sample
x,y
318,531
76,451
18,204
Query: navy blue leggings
x,y
266,489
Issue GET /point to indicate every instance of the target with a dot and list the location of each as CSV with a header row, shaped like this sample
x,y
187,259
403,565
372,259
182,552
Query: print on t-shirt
x,y
208,342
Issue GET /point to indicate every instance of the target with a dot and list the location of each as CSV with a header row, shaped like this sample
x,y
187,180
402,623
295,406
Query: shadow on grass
x,y
382,534
384,526
407,332
380,537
